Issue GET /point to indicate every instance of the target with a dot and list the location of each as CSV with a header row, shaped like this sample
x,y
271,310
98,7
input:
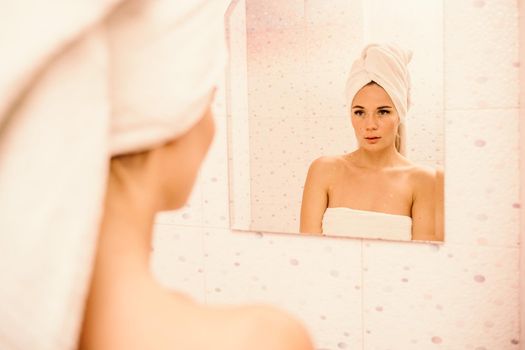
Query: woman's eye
x,y
384,112
359,113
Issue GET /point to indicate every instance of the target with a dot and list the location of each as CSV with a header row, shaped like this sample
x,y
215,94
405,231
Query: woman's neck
x,y
127,226
386,158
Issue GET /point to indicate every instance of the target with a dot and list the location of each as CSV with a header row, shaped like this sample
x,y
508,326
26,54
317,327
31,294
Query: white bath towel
x,y
387,66
107,78
33,33
163,68
347,222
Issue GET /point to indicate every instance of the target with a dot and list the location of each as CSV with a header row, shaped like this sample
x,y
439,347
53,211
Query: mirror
x,y
288,66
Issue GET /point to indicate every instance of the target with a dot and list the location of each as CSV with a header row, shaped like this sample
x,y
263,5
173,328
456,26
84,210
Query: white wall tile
x,y
481,54
276,139
417,296
329,135
333,32
177,259
481,177
276,87
274,14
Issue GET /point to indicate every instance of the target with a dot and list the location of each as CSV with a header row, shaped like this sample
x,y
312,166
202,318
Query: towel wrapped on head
x,y
387,66
163,67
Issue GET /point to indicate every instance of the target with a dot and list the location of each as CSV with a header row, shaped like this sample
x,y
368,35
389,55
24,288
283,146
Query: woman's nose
x,y
371,123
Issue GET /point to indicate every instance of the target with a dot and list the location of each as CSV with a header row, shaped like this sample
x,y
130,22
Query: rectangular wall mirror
x,y
288,67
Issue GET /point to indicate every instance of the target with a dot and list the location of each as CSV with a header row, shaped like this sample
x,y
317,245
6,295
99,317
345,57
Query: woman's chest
x,y
387,192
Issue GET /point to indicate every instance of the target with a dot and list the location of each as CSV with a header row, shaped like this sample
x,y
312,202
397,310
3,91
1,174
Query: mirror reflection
x,y
329,134
374,191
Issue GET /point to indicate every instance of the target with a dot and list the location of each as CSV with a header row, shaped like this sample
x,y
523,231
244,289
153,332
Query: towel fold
x,y
387,66
347,222
33,34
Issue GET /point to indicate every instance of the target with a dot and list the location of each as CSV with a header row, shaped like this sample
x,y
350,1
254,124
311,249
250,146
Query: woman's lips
x,y
372,139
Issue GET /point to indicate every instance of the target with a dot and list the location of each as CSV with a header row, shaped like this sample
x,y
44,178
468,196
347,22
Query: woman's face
x,y
374,118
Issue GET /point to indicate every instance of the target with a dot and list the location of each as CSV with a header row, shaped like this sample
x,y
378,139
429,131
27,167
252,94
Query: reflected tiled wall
x,y
359,294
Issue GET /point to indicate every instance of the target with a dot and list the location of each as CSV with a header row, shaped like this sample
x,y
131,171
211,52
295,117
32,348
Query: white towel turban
x,y
163,68
84,80
387,66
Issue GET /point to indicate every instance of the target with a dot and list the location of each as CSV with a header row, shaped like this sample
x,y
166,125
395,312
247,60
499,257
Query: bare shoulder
x,y
427,208
327,162
427,180
423,175
325,167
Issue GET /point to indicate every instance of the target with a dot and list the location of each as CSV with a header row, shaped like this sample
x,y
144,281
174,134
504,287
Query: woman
x,y
106,121
375,191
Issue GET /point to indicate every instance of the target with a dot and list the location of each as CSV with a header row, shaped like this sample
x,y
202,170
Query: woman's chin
x,y
372,147
375,148
175,198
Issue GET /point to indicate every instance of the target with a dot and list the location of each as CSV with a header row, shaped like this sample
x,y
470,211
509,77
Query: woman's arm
x,y
425,207
315,197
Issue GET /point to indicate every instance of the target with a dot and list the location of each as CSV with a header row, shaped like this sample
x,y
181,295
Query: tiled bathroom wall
x,y
365,294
